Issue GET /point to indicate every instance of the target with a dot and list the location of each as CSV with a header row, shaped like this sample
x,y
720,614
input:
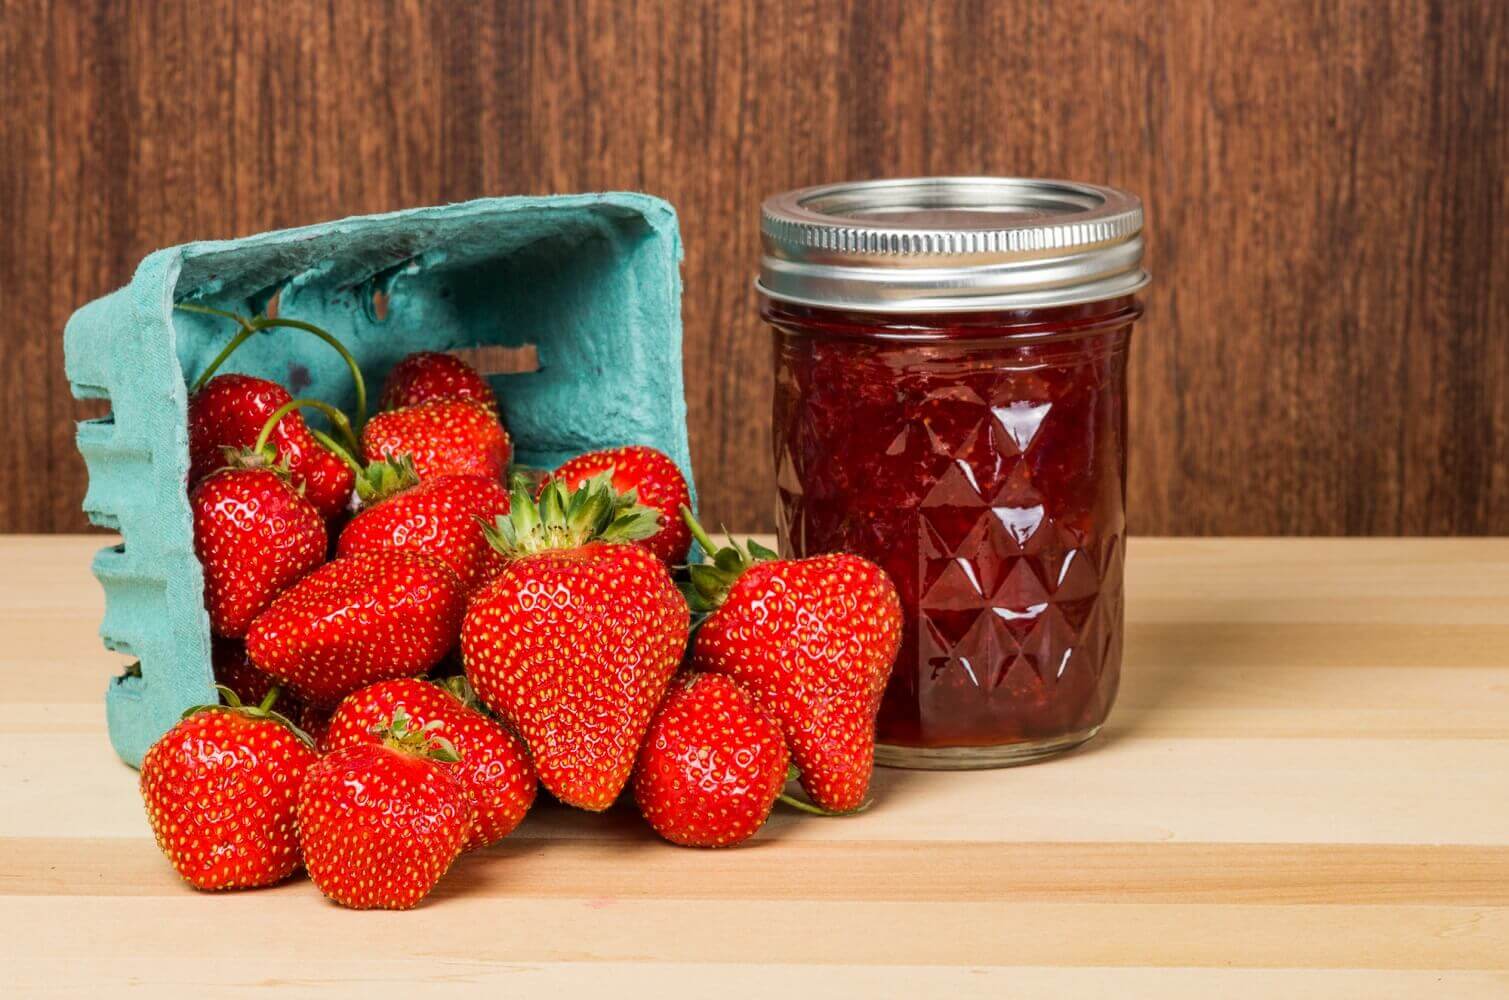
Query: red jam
x,y
980,458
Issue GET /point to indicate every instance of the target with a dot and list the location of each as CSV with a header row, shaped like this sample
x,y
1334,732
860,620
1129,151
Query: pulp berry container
x,y
951,402
592,282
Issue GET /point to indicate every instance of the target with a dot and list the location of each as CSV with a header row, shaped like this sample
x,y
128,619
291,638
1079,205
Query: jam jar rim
x,y
1089,247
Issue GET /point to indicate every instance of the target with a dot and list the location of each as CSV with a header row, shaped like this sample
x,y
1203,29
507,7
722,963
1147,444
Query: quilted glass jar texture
x,y
973,444
986,474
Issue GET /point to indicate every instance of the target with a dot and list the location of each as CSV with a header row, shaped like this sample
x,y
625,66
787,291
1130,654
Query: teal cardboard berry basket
x,y
591,282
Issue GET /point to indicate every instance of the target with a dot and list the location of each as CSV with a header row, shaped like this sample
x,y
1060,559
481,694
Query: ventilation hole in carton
x,y
491,359
127,674
102,518
376,293
93,411
265,302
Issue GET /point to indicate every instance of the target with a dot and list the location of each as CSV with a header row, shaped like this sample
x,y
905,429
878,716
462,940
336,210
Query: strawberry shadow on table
x,y
607,857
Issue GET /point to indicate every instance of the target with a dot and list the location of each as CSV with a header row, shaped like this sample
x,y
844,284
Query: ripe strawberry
x,y
441,517
229,412
574,642
358,620
254,536
442,438
813,640
655,481
427,375
712,765
379,823
494,767
315,720
235,670
221,790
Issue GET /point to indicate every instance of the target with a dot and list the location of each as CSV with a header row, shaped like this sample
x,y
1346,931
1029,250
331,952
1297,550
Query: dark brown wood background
x,y
1326,347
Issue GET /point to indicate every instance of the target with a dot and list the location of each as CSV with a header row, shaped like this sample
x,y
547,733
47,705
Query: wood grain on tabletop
x,y
1300,793
1323,351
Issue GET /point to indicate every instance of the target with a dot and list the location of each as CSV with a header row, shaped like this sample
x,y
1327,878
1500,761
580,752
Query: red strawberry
x,y
221,790
315,720
574,642
428,375
229,412
379,823
235,670
254,536
655,481
441,517
358,620
442,438
712,765
813,640
494,766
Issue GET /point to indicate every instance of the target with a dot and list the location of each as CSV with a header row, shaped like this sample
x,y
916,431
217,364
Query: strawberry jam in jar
x,y
951,403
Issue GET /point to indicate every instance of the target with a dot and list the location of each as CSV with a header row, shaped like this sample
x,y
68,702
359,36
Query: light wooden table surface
x,y
1304,791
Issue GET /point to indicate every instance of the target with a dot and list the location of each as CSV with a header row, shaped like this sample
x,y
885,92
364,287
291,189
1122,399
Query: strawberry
x,y
315,720
654,480
235,670
230,411
221,791
712,765
380,823
427,375
254,536
442,438
574,642
813,640
441,517
494,767
357,620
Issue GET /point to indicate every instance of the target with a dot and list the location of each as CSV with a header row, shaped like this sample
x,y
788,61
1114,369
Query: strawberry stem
x,y
698,532
337,418
792,774
384,478
231,702
815,810
461,689
336,449
251,326
228,696
240,338
564,518
422,741
708,583
357,380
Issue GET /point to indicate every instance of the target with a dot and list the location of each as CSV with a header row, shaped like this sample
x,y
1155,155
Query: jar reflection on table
x,y
979,456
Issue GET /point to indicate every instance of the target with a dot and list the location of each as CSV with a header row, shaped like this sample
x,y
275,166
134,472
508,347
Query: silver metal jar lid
x,y
951,244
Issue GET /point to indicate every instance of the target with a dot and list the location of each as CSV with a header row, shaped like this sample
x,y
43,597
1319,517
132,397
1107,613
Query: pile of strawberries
x,y
406,646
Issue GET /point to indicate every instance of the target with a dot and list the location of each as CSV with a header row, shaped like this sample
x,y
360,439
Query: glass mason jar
x,y
950,402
